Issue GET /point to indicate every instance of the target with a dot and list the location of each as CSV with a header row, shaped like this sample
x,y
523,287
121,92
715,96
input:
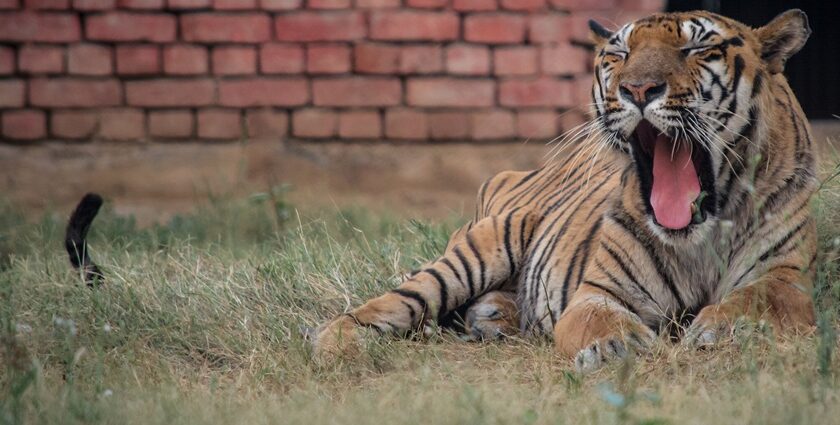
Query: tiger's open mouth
x,y
677,180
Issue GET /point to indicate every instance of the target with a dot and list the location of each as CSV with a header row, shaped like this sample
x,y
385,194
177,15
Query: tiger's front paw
x,y
609,349
339,338
712,327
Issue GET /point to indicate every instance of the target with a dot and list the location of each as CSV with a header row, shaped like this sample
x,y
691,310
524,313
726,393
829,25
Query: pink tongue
x,y
675,184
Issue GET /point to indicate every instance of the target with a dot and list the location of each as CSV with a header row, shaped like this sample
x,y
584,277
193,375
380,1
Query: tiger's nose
x,y
642,94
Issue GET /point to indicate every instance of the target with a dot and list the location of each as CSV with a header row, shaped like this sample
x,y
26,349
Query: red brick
x,y
377,4
537,123
474,5
263,92
450,92
575,5
219,124
185,59
123,26
570,119
140,4
43,27
234,60
328,59
89,59
374,58
464,59
281,59
121,124
234,4
582,89
449,125
7,60
328,4
357,91
421,59
73,124
548,28
47,4
24,124
170,92
414,25
266,123
494,28
12,93
515,61
526,5
536,92
360,125
314,123
490,125
93,5
428,4
9,4
320,26
280,4
41,59
649,6
563,60
229,28
74,92
188,4
171,124
403,123
138,59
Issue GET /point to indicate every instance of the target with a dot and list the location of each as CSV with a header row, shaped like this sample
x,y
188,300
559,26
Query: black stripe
x,y
481,265
783,241
451,266
414,295
411,312
624,268
771,251
612,294
622,220
444,295
584,249
467,270
508,248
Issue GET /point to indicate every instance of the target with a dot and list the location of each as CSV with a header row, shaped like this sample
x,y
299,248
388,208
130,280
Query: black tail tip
x,y
75,240
91,200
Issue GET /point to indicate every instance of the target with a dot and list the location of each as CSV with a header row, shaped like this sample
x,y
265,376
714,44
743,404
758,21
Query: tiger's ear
x,y
597,33
782,38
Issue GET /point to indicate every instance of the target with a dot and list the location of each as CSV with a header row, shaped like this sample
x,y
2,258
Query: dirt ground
x,y
156,180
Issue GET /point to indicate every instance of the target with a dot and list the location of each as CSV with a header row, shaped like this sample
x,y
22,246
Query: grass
x,y
199,323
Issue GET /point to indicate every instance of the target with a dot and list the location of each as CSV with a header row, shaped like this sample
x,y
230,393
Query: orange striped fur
x,y
574,250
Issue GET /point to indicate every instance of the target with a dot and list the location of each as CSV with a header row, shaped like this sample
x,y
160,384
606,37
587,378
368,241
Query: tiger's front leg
x,y
599,327
781,297
604,319
477,260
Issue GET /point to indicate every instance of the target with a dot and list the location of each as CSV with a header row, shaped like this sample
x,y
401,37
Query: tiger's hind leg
x,y
494,315
480,260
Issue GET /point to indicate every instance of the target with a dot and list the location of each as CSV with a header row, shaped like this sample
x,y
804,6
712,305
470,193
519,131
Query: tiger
x,y
683,203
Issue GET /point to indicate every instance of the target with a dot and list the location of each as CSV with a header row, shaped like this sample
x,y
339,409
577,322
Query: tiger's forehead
x,y
673,28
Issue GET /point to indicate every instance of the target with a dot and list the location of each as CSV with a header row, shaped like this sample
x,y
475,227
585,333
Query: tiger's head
x,y
679,94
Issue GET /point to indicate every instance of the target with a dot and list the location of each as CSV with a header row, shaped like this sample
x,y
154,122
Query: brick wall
x,y
308,69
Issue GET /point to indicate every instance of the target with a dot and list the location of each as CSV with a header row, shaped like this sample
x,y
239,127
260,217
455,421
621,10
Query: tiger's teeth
x,y
693,208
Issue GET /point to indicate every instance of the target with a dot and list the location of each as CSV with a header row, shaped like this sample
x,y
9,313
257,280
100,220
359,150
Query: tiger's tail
x,y
75,239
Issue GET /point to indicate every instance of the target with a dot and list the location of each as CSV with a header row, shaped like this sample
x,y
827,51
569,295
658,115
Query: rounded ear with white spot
x,y
597,33
782,38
